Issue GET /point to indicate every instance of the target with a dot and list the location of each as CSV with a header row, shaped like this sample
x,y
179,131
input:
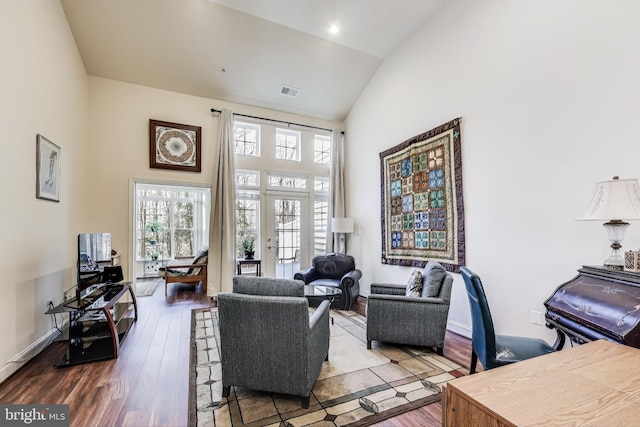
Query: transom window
x,y
322,149
247,178
287,144
246,139
287,181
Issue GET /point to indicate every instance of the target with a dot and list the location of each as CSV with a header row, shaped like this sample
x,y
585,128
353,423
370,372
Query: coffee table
x,y
321,292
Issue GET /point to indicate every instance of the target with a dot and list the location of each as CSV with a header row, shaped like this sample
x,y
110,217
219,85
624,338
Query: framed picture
x,y
47,169
174,146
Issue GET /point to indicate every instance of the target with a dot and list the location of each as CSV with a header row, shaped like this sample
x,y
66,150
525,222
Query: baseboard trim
x,y
459,328
360,306
27,354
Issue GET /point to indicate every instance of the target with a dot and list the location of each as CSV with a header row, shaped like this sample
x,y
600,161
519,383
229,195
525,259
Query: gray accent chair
x,y
268,339
422,321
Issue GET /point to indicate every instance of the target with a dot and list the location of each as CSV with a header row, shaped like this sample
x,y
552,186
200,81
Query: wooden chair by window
x,y
192,274
294,258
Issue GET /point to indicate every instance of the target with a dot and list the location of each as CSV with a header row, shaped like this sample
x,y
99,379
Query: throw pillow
x,y
434,274
414,286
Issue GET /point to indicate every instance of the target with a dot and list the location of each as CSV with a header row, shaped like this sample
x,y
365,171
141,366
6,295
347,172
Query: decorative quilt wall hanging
x,y
421,194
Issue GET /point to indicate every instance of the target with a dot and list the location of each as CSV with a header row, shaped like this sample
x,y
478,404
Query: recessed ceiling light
x,y
334,29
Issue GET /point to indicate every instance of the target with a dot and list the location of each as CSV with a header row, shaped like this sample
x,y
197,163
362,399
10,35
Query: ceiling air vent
x,y
289,91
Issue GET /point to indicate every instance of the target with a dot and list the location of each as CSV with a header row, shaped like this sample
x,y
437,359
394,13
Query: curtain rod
x,y
213,110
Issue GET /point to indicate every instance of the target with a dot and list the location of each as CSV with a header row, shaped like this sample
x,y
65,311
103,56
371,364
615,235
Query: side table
x,y
249,262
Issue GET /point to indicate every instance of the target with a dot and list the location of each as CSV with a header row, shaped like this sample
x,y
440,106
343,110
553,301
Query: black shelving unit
x,y
98,322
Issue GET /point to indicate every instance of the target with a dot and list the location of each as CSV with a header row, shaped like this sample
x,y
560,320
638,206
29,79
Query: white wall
x,y
547,90
548,93
44,90
102,127
119,148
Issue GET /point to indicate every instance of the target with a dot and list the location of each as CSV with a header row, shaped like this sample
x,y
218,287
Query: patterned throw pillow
x,y
414,286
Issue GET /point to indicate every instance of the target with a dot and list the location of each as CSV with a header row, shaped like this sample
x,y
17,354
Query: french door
x,y
286,234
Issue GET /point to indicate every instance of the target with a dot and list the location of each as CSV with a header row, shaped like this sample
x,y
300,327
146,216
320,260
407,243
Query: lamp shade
x,y
618,199
342,225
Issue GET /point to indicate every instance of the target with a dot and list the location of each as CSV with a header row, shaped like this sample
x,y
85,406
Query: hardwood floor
x,y
148,384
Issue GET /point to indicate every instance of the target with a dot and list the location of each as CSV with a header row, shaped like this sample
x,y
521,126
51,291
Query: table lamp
x,y
614,201
342,226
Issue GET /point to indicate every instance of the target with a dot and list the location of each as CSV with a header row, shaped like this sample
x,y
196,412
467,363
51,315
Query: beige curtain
x,y
223,222
337,204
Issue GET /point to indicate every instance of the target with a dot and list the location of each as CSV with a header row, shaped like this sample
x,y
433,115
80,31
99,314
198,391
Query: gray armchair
x,y
268,339
395,318
335,270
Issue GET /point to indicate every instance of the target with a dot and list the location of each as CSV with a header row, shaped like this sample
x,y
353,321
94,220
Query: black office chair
x,y
494,350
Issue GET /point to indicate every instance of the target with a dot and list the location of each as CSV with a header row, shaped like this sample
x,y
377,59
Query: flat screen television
x,y
94,253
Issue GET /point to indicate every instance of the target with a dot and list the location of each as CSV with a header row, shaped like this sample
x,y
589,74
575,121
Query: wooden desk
x,y
256,262
595,384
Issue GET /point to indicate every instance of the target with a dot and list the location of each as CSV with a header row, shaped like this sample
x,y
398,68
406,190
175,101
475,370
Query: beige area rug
x,y
146,287
356,387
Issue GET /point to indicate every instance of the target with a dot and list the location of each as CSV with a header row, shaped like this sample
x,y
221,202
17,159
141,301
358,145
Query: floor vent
x,y
289,91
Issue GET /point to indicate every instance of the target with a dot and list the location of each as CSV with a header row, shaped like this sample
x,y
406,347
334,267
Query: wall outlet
x,y
537,318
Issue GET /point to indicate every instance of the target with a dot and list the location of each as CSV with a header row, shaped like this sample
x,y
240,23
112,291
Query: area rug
x,y
146,287
356,386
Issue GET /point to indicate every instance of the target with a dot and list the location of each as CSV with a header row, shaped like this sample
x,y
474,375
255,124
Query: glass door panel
x,y
287,235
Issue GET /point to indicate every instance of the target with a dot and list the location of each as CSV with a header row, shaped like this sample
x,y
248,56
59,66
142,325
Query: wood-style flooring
x,y
148,384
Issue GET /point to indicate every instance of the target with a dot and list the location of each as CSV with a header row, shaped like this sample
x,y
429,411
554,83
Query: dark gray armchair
x,y
268,339
422,321
335,270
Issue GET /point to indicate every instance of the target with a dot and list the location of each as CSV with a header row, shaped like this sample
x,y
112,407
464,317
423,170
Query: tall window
x,y
321,155
171,221
288,165
247,207
320,214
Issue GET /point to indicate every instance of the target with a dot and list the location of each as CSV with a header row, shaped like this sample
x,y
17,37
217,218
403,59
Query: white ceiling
x,y
243,51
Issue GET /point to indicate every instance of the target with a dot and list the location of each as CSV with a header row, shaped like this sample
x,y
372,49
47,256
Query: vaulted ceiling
x,y
244,51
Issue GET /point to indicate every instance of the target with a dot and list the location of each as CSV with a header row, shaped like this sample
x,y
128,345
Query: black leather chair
x,y
336,270
494,350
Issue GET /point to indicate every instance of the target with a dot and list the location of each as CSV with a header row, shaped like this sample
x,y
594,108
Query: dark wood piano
x,y
599,303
